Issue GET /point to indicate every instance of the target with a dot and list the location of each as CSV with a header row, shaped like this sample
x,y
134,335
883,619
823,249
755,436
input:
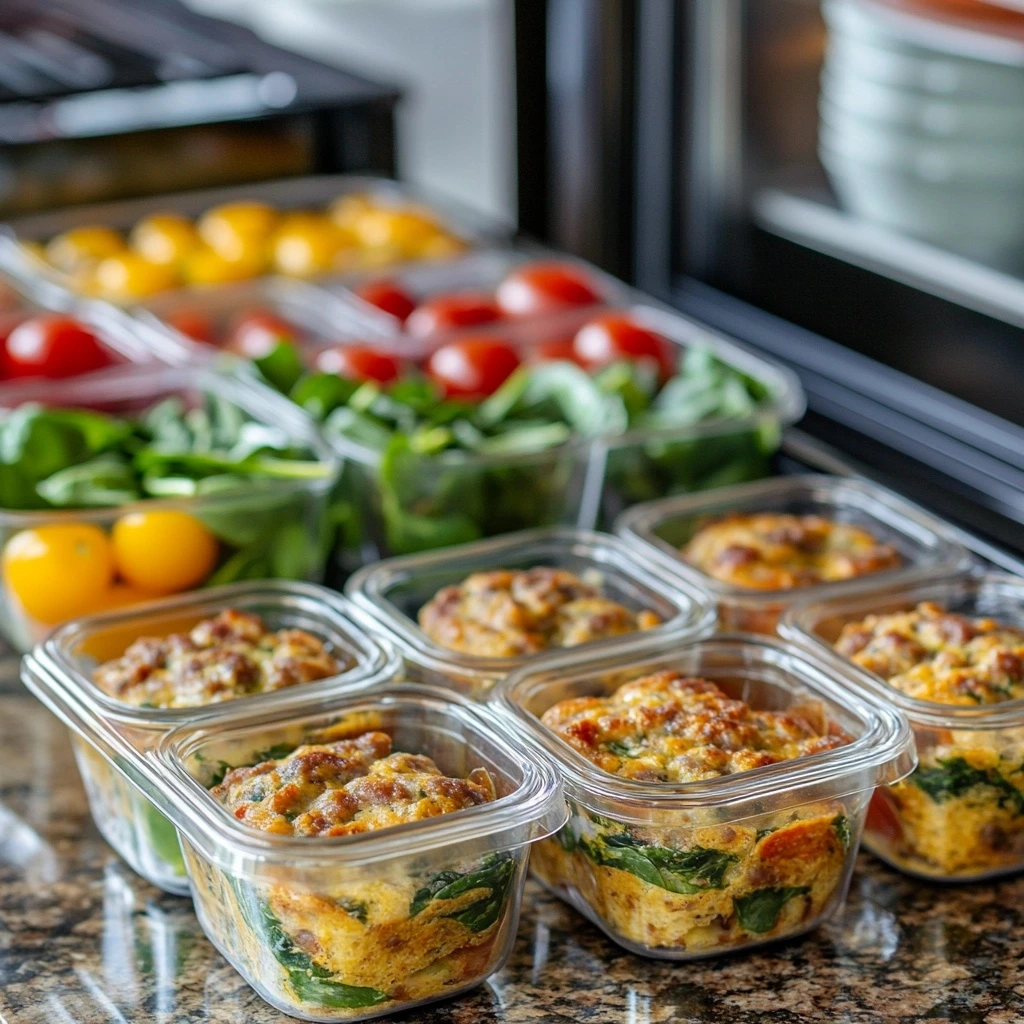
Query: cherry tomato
x,y
452,312
555,349
259,332
163,552
81,246
388,296
164,237
472,368
59,572
127,276
53,347
194,324
546,288
614,337
360,362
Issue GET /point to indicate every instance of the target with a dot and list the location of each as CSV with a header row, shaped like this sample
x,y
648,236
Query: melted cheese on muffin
x,y
232,655
346,787
669,728
932,654
775,551
508,613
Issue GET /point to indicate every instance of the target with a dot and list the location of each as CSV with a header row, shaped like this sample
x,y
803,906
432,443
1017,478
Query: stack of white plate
x,y
922,127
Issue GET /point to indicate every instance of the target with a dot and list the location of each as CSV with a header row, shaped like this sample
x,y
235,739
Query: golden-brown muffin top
x,y
933,654
508,613
667,727
776,551
231,655
346,787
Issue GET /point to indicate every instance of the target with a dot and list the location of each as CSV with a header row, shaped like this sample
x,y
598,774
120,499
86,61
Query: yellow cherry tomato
x,y
231,229
307,244
129,276
164,238
346,210
59,572
163,552
442,246
83,246
209,267
405,230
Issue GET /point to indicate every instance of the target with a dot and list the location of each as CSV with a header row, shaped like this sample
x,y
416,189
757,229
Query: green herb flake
x,y
842,827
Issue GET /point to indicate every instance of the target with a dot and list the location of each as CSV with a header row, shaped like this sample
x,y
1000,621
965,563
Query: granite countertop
x,y
83,939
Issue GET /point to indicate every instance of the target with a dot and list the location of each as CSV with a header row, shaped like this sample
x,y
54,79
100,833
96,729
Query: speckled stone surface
x,y
83,939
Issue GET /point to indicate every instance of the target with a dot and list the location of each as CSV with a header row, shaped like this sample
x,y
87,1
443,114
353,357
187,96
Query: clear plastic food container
x,y
684,871
927,547
275,526
22,238
319,318
960,815
354,927
107,732
392,592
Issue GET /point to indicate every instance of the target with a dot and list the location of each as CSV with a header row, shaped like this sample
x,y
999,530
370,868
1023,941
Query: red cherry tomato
x,y
472,368
452,312
388,296
555,349
259,332
360,362
194,324
54,347
613,337
546,288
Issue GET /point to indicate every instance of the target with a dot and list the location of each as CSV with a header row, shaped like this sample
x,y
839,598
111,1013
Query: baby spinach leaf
x,y
281,367
759,910
321,393
494,875
106,480
953,777
312,984
841,824
680,871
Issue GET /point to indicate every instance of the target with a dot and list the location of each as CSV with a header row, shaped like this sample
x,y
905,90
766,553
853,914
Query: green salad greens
x,y
758,911
429,472
252,476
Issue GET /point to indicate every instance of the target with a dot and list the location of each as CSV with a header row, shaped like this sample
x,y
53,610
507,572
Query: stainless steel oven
x,y
837,182
106,99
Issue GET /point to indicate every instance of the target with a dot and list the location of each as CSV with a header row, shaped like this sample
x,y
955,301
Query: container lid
x,y
928,546
764,672
66,659
529,806
392,592
815,624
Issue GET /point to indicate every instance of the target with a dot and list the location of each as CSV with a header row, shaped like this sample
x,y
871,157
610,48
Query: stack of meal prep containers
x,y
666,870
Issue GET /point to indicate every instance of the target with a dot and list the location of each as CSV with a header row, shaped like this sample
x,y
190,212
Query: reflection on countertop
x,y
83,939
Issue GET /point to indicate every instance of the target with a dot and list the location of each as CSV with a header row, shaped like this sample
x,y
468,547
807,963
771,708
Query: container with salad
x,y
122,680
147,481
532,422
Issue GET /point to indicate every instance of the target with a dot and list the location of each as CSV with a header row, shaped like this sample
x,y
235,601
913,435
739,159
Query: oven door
x,y
690,146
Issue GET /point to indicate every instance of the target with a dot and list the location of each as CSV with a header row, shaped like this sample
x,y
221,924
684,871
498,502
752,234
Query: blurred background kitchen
x,y
840,183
